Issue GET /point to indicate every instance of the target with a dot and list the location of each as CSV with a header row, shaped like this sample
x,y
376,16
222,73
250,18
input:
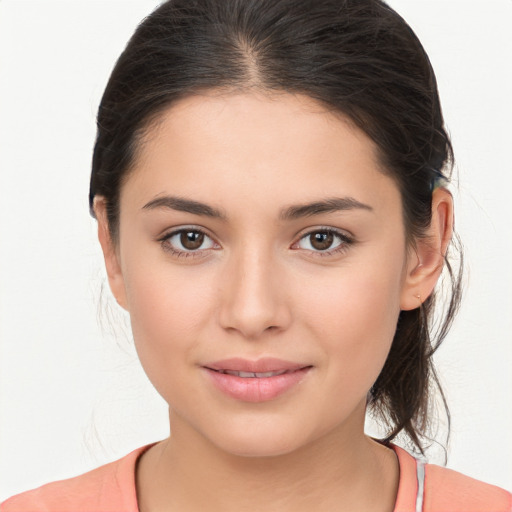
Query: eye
x,y
325,242
187,242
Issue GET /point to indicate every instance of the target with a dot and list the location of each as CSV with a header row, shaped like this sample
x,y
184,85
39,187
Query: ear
x,y
426,258
110,252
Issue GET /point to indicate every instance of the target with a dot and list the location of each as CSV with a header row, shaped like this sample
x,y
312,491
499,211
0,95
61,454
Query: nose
x,y
253,296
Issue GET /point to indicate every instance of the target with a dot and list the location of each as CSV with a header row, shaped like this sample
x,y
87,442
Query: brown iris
x,y
191,240
321,240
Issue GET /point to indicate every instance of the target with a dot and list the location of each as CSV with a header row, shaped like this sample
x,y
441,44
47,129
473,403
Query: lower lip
x,y
256,389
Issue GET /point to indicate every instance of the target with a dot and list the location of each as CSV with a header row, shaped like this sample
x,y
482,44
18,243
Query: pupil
x,y
191,239
322,241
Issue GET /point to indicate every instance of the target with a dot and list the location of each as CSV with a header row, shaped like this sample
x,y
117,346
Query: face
x,y
262,259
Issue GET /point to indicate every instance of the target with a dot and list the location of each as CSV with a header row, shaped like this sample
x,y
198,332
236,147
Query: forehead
x,y
220,118
282,146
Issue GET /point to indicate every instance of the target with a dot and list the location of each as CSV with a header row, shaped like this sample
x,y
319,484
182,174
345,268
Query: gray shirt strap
x,y
420,475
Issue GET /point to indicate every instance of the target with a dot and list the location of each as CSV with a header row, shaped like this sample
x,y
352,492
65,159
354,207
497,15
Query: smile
x,y
255,381
253,375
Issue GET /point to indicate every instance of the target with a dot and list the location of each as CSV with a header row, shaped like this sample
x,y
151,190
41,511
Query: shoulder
x,y
108,488
446,489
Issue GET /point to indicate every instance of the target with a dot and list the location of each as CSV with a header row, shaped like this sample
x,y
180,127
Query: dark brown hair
x,y
359,58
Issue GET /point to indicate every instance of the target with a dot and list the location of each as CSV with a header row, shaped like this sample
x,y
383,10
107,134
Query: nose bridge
x,y
252,299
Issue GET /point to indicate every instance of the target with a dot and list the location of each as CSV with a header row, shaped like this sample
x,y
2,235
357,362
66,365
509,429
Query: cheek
x,y
162,297
167,311
354,321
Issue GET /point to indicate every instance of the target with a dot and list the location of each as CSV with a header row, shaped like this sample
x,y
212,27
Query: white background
x,y
72,395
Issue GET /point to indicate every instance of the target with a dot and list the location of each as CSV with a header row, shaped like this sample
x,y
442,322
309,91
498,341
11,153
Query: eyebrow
x,y
184,205
328,205
293,212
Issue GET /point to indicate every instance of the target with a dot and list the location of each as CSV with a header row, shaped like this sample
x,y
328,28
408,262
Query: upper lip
x,y
265,364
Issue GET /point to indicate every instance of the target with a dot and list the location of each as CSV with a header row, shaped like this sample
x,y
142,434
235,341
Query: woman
x,y
269,184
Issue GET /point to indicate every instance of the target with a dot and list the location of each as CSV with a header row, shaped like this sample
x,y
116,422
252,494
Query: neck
x,y
339,471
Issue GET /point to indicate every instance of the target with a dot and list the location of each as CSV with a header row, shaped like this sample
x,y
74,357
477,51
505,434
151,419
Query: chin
x,y
258,446
262,437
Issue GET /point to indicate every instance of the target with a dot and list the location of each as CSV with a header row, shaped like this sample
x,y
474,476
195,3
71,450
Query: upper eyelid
x,y
164,240
174,231
346,239
301,233
344,234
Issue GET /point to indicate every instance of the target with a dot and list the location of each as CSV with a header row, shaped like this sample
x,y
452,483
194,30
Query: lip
x,y
265,364
255,389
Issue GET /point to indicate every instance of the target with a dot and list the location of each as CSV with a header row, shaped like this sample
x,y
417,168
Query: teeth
x,y
252,375
270,374
246,374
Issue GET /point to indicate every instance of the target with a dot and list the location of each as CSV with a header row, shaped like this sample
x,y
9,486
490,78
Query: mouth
x,y
255,381
252,375
249,368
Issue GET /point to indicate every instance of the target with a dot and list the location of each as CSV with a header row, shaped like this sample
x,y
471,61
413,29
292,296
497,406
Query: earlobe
x,y
426,259
110,253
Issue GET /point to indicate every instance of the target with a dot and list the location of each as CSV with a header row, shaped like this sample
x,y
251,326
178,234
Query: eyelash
x,y
345,242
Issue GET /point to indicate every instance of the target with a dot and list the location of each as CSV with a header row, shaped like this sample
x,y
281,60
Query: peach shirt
x,y
111,488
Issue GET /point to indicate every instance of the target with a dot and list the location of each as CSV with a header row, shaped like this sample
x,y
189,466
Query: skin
x,y
259,287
